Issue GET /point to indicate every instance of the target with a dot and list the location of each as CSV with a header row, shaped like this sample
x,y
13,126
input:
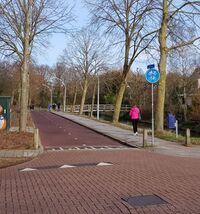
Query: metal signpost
x,y
97,96
152,76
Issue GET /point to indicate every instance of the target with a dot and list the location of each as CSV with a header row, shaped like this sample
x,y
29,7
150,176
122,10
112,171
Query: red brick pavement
x,y
98,190
56,131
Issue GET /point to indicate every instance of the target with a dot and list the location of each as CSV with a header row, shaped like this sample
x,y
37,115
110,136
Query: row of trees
x,y
136,24
182,93
24,25
131,27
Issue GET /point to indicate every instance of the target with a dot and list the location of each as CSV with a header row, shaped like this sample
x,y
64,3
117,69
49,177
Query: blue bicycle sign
x,y
152,76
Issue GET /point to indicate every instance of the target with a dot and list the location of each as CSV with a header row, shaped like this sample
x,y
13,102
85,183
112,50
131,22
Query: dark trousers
x,y
134,122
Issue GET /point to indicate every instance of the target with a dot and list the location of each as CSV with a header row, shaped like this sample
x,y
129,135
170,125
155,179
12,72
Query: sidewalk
x,y
127,137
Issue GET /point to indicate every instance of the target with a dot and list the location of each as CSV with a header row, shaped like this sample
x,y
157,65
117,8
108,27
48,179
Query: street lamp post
x,y
64,98
51,93
97,97
65,93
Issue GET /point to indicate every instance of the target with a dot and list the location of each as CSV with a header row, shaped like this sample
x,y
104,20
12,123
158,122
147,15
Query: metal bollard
x,y
187,138
36,139
144,138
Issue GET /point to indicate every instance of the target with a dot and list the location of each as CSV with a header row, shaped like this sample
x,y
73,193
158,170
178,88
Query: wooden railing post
x,y
36,138
144,138
187,138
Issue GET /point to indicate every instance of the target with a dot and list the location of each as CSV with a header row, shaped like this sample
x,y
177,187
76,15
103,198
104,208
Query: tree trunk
x,y
12,97
74,101
184,105
24,96
19,94
159,123
93,99
122,87
25,70
119,99
85,87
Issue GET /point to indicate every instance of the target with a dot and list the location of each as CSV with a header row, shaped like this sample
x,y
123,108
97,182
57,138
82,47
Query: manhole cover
x,y
144,200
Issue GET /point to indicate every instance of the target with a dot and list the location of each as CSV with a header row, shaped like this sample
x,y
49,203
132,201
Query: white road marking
x,y
61,148
28,170
92,147
104,164
66,166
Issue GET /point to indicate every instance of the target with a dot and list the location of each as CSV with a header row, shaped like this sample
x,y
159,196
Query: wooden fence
x,y
102,108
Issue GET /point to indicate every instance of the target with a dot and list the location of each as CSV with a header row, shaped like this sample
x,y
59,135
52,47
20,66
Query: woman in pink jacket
x,y
134,115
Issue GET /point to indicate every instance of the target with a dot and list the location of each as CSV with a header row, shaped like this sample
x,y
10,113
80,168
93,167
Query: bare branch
x,y
183,44
188,3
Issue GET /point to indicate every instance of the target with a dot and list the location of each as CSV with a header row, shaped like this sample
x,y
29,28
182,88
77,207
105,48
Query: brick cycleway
x,y
91,189
99,189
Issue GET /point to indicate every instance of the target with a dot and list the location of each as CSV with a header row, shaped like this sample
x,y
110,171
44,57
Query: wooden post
x,y
144,138
187,138
36,138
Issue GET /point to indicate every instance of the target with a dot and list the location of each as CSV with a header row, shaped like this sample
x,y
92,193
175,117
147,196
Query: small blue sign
x,y
150,66
171,121
152,76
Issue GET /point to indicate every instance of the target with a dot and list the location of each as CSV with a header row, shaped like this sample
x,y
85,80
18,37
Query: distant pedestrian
x,y
49,107
58,105
135,116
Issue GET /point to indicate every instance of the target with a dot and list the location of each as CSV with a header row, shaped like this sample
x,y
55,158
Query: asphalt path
x,y
56,131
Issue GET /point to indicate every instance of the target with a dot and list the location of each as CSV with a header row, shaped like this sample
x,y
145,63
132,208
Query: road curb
x,y
14,153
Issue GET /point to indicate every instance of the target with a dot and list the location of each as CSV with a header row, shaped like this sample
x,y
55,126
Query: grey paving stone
x,y
160,146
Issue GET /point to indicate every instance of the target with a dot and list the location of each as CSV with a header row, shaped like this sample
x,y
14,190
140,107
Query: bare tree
x,y
183,64
22,25
177,29
63,75
129,21
85,55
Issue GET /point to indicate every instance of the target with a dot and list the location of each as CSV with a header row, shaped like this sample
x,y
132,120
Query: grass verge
x,y
170,136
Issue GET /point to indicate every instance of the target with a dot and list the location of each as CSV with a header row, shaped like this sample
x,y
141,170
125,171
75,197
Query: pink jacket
x,y
134,112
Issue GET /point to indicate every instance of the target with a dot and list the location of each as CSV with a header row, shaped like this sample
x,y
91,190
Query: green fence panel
x,y
5,102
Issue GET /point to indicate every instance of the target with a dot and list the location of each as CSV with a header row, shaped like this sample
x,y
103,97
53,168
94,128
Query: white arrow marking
x,y
27,170
92,147
76,148
104,164
66,166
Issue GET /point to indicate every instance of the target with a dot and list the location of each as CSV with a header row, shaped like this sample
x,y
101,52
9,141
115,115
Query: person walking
x,y
134,115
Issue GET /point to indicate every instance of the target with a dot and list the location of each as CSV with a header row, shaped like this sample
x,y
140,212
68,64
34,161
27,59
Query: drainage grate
x,y
144,200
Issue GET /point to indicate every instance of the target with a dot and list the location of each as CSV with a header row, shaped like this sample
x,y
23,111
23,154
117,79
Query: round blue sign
x,y
152,76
